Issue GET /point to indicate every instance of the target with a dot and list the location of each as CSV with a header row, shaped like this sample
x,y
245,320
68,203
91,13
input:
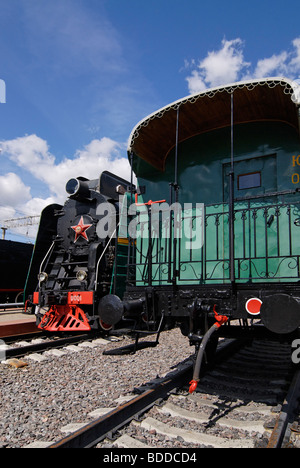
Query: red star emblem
x,y
80,229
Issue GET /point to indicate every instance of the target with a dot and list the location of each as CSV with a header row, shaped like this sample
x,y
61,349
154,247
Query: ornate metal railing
x,y
195,249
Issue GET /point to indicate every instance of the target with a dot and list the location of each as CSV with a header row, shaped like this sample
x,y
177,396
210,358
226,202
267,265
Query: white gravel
x,y
41,398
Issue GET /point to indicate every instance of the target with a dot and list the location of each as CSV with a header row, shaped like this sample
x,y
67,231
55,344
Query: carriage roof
x,y
268,99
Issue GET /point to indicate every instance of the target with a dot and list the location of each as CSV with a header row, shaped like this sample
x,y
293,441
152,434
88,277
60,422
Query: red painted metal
x,y
64,318
80,297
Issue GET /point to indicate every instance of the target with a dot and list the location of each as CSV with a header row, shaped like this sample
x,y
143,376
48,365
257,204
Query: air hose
x,y
220,319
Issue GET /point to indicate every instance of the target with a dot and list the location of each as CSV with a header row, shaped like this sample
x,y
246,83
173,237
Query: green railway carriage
x,y
225,166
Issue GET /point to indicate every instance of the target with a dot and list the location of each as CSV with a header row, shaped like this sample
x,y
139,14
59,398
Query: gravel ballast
x,y
41,398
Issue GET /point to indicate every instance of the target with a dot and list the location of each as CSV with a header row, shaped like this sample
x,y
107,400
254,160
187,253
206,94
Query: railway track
x,y
249,398
20,346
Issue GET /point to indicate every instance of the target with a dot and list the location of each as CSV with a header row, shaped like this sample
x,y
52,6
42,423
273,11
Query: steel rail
x,y
21,337
279,436
95,431
38,347
11,305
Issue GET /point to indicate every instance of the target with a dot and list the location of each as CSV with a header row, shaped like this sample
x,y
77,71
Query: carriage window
x,y
247,181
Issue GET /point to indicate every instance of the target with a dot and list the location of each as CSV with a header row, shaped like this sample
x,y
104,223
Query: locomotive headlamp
x,y
42,276
78,188
81,275
72,186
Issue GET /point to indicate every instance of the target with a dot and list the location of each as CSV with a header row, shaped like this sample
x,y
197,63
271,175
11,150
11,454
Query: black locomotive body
x,y
78,256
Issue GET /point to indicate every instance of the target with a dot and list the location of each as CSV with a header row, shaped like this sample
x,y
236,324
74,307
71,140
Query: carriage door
x,y
255,234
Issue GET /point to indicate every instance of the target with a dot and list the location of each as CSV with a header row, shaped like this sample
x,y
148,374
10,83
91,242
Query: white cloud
x,y
295,62
272,66
7,212
13,211
223,64
31,153
228,65
35,205
12,190
14,195
196,83
96,157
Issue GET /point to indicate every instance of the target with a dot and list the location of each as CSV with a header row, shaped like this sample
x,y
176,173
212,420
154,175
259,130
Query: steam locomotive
x,y
78,256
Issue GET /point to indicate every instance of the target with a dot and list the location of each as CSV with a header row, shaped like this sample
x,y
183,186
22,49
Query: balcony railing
x,y
193,247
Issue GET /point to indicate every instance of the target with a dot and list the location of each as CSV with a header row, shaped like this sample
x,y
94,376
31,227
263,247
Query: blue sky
x,y
79,74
